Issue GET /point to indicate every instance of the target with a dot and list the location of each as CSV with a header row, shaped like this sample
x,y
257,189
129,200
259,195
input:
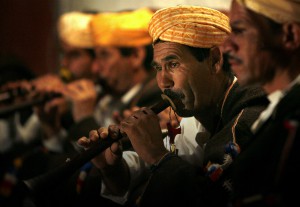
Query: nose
x,y
225,47
164,79
229,45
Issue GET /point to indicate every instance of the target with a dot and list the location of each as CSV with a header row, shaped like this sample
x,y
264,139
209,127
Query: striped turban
x,y
280,11
74,29
122,29
190,25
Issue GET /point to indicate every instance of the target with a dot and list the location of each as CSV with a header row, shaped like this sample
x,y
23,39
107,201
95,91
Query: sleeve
x,y
137,167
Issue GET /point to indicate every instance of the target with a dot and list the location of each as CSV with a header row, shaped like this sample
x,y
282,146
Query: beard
x,y
177,97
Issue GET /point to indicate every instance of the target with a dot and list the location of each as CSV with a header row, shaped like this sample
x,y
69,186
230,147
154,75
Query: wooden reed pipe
x,y
46,182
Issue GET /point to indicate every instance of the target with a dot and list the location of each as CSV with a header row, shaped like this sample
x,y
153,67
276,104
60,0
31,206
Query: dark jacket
x,y
266,173
176,183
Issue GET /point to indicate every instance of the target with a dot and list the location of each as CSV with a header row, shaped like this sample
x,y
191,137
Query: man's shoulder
x,y
246,94
251,98
289,106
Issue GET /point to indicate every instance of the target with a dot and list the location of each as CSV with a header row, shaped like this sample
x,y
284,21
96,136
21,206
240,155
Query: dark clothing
x,y
27,161
176,183
266,173
49,182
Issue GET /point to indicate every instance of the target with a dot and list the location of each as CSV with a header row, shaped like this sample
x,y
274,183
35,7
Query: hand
x,y
144,132
51,111
165,116
109,157
83,96
15,92
49,85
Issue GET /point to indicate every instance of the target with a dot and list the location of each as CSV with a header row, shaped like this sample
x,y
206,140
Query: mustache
x,y
235,58
173,95
180,107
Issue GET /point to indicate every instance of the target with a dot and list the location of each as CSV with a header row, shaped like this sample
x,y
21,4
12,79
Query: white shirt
x,y
106,106
274,99
23,133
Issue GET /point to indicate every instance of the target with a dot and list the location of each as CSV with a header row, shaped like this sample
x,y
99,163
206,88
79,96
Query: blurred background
x,y
28,28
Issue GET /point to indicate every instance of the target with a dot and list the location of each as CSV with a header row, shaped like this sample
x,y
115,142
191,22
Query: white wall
x,y
116,5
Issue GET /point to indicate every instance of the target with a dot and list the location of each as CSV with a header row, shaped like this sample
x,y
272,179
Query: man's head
x,y
265,42
187,56
76,44
123,48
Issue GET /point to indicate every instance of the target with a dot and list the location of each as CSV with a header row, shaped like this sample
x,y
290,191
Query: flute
x,y
9,95
7,110
46,182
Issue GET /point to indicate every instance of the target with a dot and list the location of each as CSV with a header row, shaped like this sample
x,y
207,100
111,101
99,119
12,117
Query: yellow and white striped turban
x,y
280,11
190,25
74,29
122,29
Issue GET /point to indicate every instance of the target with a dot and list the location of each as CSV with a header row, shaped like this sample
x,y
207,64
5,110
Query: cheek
x,y
109,67
263,66
75,66
249,52
159,80
251,47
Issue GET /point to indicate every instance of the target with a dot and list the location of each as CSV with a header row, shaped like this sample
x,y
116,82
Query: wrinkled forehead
x,y
165,50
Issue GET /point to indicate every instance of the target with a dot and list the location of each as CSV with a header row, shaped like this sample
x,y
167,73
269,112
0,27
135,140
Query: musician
x,y
264,49
22,126
123,62
77,57
53,148
190,67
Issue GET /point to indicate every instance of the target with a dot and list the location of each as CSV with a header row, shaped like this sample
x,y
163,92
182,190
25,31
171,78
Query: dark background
x,y
27,31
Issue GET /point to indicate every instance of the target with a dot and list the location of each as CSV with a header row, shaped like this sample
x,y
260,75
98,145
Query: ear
x,y
291,37
216,59
138,57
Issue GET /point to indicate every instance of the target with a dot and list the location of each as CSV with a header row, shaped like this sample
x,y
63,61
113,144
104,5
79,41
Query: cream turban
x,y
281,11
190,25
122,29
74,29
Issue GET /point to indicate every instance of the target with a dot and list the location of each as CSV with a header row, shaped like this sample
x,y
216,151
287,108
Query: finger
x,y
116,148
117,116
114,131
103,132
84,142
94,135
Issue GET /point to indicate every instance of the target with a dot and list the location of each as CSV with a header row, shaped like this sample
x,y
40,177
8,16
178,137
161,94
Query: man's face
x,y
249,56
181,75
77,60
113,68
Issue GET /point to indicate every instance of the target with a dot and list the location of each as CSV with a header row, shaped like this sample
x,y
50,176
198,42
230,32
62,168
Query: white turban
x,y
74,29
280,11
